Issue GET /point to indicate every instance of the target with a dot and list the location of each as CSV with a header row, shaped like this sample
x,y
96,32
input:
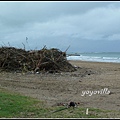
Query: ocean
x,y
96,57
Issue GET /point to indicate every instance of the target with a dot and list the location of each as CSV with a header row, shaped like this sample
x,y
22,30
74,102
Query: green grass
x,y
14,105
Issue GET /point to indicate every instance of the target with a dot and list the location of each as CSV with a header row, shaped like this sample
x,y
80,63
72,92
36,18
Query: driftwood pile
x,y
47,60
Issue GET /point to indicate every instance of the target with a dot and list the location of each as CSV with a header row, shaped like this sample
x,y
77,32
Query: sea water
x,y
97,57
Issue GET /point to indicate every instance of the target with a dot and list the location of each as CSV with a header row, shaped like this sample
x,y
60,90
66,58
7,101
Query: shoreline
x,y
93,61
97,57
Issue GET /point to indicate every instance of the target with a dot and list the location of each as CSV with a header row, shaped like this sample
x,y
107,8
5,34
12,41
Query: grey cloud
x,y
18,13
59,23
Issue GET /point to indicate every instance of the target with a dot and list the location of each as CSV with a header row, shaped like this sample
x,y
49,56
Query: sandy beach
x,y
93,84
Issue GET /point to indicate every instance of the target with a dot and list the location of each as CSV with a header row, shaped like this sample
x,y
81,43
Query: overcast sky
x,y
85,26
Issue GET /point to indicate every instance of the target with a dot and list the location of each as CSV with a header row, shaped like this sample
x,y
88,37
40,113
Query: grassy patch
x,y
61,112
17,106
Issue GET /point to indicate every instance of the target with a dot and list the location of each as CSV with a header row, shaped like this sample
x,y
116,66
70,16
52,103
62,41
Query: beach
x,y
93,85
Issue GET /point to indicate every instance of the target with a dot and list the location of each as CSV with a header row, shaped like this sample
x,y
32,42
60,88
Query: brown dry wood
x,y
44,59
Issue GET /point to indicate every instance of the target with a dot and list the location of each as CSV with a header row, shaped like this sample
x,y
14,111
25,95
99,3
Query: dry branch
x,y
13,59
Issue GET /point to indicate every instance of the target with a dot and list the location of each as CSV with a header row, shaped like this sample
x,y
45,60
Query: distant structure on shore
x,y
73,54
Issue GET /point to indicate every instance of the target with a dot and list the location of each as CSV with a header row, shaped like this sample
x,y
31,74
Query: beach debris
x,y
68,105
45,60
72,104
87,111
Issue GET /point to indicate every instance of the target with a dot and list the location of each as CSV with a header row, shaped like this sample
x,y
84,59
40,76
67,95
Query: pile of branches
x,y
47,60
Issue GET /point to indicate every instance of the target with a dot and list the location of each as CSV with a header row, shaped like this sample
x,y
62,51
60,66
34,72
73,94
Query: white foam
x,y
93,58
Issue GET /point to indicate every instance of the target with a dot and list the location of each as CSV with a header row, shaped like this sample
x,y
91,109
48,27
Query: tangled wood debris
x,y
47,60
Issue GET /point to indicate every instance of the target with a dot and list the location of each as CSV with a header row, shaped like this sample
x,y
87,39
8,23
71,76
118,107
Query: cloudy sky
x,y
84,26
